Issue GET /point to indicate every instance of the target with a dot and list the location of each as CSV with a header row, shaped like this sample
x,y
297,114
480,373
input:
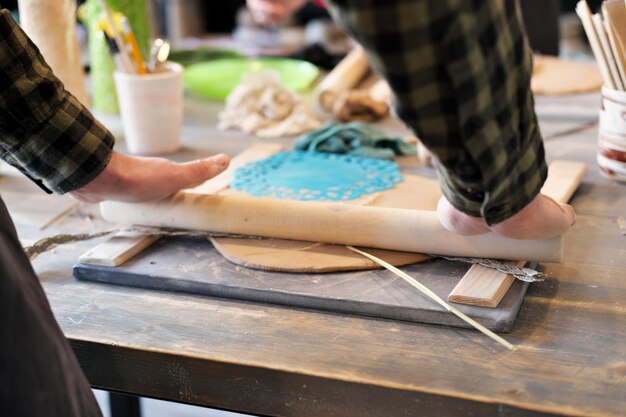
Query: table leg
x,y
124,405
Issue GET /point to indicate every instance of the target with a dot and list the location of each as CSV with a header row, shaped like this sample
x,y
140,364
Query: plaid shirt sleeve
x,y
460,71
45,132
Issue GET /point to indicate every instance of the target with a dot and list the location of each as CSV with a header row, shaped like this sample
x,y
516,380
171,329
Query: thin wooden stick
x,y
583,11
598,23
60,215
425,290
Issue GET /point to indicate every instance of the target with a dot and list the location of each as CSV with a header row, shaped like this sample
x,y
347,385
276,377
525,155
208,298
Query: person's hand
x,y
273,11
134,179
542,218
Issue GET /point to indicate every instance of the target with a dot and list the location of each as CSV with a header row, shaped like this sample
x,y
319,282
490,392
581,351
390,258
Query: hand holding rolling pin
x,y
543,217
135,179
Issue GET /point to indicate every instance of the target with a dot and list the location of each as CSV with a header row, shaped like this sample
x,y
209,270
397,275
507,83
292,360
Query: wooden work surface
x,y
263,359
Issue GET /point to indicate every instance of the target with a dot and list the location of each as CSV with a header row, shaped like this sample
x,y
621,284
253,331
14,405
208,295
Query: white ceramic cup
x,y
151,107
611,155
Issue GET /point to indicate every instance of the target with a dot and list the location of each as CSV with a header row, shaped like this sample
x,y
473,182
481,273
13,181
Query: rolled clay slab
x,y
375,227
51,25
344,76
298,256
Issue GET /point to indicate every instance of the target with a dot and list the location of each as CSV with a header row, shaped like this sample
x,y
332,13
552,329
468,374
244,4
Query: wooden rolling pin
x,y
345,76
369,103
376,227
381,91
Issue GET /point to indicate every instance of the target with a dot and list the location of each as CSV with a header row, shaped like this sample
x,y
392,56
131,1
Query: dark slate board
x,y
193,266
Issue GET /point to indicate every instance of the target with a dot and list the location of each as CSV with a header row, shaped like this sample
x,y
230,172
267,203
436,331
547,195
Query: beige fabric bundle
x,y
51,25
263,106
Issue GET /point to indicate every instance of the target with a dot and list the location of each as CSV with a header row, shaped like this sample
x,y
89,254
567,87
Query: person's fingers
x,y
569,213
542,218
134,179
458,222
197,172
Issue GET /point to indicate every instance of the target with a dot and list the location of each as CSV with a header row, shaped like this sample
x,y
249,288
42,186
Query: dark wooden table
x,y
270,360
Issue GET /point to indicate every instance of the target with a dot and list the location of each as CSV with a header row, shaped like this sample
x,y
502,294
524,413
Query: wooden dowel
x,y
346,75
614,13
384,228
582,9
608,52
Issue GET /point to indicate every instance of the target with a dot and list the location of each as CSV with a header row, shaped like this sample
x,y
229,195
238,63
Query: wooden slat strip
x,y
118,249
481,286
614,14
564,177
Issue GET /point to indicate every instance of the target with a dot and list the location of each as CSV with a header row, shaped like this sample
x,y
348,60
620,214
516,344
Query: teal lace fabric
x,y
354,138
312,176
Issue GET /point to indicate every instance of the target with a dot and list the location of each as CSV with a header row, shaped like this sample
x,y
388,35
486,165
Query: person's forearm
x,y
44,131
460,71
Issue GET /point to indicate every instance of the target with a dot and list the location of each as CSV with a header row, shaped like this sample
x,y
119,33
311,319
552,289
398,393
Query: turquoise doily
x,y
309,176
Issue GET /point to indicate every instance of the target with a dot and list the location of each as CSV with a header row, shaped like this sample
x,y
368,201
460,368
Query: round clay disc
x,y
283,255
554,76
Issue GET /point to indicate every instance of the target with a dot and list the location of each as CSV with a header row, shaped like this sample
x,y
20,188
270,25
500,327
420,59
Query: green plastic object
x,y
216,79
186,57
